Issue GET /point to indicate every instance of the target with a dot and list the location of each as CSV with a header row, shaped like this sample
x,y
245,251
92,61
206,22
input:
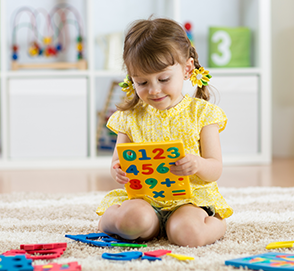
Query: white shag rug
x,y
261,215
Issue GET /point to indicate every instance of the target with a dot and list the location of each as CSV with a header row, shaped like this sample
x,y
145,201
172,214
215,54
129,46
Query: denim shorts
x,y
163,217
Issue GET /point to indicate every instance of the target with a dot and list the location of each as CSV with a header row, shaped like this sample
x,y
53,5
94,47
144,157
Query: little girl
x,y
158,57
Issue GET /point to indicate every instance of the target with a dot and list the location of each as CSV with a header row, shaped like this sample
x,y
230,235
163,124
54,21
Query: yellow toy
x,y
148,167
180,257
280,244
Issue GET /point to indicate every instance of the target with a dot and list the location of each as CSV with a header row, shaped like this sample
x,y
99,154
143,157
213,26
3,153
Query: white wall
x,y
283,77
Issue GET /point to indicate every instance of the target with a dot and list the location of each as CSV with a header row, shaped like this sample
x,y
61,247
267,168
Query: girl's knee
x,y
186,234
134,220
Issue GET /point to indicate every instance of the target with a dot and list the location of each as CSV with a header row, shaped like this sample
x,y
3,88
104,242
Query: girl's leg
x,y
191,226
131,220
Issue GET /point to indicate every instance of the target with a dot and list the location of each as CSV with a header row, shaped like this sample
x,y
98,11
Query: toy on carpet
x,y
15,263
43,251
148,167
157,253
180,257
53,41
130,255
267,261
280,244
71,266
123,256
104,240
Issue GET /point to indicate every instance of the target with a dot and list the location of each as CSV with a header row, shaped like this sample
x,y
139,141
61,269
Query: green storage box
x,y
229,47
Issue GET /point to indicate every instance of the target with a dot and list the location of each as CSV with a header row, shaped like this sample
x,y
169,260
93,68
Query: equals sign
x,y
179,192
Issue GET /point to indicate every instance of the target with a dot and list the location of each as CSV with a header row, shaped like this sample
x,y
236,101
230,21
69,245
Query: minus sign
x,y
173,163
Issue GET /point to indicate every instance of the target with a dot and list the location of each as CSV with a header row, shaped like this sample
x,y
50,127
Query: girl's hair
x,y
151,46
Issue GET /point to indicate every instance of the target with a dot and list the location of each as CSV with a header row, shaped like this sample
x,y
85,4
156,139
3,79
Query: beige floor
x,y
279,173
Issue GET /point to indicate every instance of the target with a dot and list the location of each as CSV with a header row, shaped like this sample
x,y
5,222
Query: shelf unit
x,y
251,13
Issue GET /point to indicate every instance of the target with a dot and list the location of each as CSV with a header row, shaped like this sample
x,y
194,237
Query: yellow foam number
x,y
180,257
148,167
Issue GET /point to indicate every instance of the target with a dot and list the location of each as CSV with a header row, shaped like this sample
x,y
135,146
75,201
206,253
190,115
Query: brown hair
x,y
151,46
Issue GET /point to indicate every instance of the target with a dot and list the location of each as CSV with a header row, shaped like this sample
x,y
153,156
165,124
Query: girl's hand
x,y
189,165
120,176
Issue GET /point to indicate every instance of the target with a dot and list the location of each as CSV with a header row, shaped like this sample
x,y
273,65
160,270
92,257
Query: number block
x,y
148,167
229,46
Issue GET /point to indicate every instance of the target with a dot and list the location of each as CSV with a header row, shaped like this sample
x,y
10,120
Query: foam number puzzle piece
x,y
105,240
148,167
91,239
43,251
128,245
71,266
15,263
180,257
43,246
150,258
280,244
123,256
157,253
267,261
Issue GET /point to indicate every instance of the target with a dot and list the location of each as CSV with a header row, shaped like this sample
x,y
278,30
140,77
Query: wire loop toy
x,y
51,42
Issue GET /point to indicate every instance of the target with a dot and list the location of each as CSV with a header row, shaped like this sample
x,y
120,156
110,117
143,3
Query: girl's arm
x,y
115,170
209,166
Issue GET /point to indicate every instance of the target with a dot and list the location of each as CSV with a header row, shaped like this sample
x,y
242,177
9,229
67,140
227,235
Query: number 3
x,y
223,47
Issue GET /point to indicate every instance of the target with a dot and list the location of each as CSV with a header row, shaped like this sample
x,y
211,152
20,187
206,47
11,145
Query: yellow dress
x,y
182,122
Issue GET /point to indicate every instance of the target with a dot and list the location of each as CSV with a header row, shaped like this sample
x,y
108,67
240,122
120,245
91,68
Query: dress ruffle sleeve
x,y
211,114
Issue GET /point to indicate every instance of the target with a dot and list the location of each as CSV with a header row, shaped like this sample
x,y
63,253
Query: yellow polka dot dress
x,y
182,122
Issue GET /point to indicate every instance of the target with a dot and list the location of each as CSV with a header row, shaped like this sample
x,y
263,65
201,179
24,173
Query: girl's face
x,y
162,90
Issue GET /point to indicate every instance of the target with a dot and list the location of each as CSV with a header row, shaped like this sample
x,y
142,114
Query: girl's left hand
x,y
189,165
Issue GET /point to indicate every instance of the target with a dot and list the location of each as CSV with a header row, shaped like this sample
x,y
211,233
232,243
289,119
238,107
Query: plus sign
x,y
158,194
168,182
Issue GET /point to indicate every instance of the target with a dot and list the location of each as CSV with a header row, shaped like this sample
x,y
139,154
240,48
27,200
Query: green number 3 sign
x,y
229,47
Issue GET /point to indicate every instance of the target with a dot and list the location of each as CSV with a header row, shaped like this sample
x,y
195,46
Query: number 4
x,y
132,169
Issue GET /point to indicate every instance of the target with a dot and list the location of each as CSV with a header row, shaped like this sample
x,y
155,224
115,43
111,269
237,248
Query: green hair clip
x,y
127,86
200,77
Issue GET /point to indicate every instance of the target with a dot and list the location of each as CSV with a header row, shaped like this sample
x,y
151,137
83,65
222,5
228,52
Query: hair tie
x,y
127,86
200,77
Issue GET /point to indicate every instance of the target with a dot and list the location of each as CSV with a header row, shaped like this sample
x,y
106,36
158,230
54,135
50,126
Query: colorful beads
x,y
14,52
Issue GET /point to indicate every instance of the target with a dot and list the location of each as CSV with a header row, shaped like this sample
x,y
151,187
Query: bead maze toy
x,y
148,167
188,29
51,43
267,261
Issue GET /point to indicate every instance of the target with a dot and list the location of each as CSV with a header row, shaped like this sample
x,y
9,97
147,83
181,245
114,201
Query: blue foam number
x,y
123,256
132,169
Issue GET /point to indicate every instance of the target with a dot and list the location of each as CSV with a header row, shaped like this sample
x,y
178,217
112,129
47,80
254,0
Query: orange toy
x,y
148,167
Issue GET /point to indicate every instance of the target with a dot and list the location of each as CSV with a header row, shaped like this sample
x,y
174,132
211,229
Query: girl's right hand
x,y
120,177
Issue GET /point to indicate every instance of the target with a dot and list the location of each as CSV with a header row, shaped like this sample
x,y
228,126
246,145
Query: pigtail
x,y
201,92
128,104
